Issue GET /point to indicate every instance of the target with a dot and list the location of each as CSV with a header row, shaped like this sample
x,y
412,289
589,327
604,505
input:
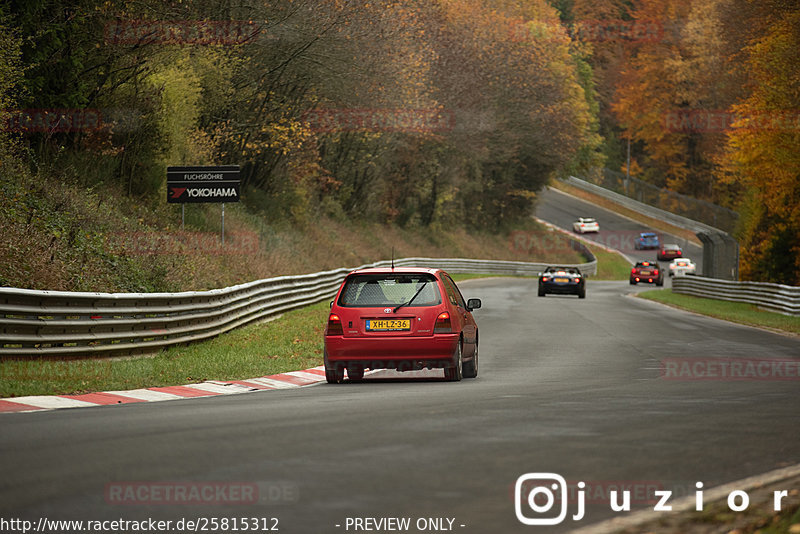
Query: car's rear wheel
x,y
471,367
335,375
355,372
582,293
541,291
453,372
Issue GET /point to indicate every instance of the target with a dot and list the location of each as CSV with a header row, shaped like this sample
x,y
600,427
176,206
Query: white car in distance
x,y
682,266
585,224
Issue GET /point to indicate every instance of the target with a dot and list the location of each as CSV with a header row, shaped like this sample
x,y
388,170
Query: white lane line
x,y
218,388
51,402
253,385
306,376
147,395
586,241
277,384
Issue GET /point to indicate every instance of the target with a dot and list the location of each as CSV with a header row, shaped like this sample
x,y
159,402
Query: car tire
x,y
660,282
633,283
470,368
355,373
454,372
541,291
335,375
582,293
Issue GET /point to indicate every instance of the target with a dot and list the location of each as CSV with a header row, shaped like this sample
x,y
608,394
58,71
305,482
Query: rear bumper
x,y
645,279
564,289
391,352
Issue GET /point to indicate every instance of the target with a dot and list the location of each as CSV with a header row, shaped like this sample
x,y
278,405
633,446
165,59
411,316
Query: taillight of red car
x,y
334,326
443,325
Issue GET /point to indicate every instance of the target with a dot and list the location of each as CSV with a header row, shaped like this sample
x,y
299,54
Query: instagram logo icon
x,y
542,494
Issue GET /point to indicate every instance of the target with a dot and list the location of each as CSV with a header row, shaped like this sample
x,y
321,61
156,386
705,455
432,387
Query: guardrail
x,y
773,297
640,207
720,250
60,323
687,206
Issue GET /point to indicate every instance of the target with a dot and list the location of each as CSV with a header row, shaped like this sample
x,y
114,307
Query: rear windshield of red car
x,y
374,290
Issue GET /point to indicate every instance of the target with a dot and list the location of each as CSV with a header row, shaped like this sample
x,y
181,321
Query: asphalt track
x,y
566,386
616,231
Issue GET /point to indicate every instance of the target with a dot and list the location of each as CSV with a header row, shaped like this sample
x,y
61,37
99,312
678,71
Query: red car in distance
x,y
669,252
401,318
647,271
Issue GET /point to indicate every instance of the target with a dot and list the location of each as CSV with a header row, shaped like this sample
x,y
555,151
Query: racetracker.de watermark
x,y
63,120
588,30
184,243
528,242
730,369
52,120
719,121
181,32
202,493
379,120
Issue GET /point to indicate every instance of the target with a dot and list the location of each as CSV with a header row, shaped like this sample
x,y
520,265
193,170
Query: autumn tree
x,y
763,156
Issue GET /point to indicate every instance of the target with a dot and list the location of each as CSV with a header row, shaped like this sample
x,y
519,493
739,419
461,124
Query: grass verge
x,y
610,265
288,343
737,312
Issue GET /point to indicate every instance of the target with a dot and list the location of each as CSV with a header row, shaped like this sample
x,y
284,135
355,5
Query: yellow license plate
x,y
562,280
646,273
388,324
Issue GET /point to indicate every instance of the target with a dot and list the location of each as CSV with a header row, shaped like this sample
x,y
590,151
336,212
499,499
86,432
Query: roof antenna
x,y
393,258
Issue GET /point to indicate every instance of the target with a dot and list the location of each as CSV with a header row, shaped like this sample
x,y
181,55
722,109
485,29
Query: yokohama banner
x,y
203,184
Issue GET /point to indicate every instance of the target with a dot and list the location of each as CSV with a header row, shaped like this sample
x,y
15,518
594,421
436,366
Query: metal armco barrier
x,y
720,250
773,297
60,323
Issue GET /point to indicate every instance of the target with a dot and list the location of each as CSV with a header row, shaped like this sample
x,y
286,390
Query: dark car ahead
x,y
646,240
669,252
400,318
647,272
562,281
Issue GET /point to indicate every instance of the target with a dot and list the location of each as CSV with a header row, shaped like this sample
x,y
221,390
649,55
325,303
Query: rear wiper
x,y
412,298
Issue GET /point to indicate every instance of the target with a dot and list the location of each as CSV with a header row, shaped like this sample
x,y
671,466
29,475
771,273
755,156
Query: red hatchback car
x,y
404,319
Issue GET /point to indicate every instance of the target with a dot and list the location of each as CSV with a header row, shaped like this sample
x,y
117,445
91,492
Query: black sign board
x,y
203,184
